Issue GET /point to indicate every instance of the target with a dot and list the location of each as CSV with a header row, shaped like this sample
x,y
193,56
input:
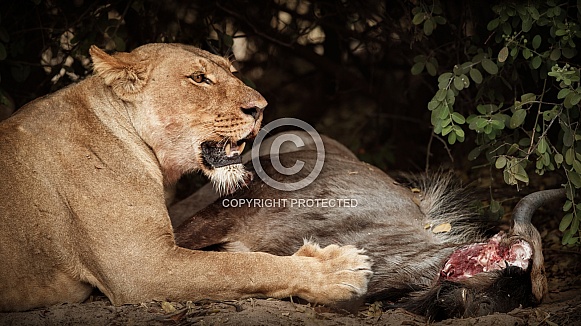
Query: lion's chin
x,y
227,179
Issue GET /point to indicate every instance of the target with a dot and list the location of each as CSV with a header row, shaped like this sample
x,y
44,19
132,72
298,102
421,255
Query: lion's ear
x,y
120,71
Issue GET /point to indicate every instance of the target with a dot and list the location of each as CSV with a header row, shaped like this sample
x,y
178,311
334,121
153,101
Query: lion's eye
x,y
200,77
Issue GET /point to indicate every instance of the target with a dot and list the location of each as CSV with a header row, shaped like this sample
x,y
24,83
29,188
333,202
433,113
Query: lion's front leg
x,y
334,275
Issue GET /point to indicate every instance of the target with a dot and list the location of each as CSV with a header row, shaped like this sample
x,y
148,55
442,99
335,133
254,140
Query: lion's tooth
x,y
241,147
227,149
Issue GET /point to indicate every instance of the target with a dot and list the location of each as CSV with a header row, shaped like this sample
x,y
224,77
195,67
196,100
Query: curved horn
x,y
524,209
522,227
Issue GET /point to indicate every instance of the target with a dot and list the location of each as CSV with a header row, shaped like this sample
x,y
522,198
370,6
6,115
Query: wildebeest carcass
x,y
424,235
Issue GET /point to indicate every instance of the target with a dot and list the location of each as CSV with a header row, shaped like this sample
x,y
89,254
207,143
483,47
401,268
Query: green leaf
x,y
440,95
536,62
526,53
432,105
481,123
439,20
446,130
489,66
568,137
496,124
476,75
419,18
452,138
577,166
450,97
536,41
570,156
512,149
458,83
514,52
465,80
575,179
521,174
542,146
567,206
506,28
428,27
431,68
575,225
567,237
555,54
445,77
527,97
563,93
444,113
503,54
458,118
474,153
420,58
418,68
550,114
568,102
569,53
459,132
517,118
565,222
493,24
533,12
558,158
524,141
527,24
575,98
500,162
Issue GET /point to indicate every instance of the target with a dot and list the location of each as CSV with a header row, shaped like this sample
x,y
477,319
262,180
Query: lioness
x,y
82,189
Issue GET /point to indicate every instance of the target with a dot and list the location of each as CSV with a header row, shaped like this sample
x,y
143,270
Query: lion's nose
x,y
255,107
253,111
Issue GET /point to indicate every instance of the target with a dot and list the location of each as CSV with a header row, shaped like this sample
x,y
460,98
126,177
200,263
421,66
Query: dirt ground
x,y
562,308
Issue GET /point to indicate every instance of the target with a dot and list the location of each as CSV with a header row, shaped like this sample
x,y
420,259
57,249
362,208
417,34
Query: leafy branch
x,y
524,112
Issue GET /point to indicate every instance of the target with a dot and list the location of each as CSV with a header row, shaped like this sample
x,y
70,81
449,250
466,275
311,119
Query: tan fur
x,y
82,191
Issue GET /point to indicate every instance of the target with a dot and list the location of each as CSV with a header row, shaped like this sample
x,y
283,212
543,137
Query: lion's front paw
x,y
338,276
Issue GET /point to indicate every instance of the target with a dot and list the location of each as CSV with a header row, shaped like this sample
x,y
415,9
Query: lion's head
x,y
186,104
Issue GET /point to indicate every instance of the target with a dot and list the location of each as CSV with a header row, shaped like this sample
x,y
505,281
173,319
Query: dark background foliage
x,y
360,71
342,66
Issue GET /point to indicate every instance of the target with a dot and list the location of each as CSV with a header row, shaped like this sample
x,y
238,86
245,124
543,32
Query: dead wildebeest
x,y
430,256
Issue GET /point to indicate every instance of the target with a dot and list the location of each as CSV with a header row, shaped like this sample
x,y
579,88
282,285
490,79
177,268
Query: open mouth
x,y
223,153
